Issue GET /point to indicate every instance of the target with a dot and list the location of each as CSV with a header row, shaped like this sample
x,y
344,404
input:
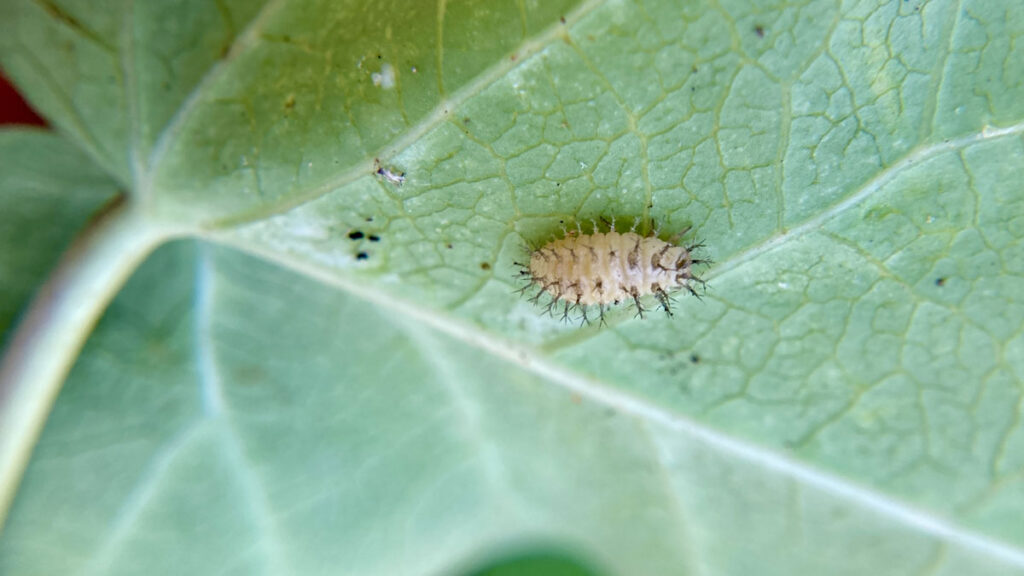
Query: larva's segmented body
x,y
605,268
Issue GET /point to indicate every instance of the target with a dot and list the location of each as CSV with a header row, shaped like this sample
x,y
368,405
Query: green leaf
x,y
48,189
110,73
225,407
336,375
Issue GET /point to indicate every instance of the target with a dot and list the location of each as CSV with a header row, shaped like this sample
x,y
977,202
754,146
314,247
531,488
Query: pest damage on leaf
x,y
604,268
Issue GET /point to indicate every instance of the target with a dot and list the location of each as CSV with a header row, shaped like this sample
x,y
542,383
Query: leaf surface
x,y
339,375
48,189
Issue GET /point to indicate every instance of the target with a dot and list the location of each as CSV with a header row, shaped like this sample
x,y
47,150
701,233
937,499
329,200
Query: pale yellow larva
x,y
605,268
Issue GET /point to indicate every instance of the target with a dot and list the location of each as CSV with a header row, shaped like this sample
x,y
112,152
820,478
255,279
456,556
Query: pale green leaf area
x,y
203,418
48,189
336,375
111,73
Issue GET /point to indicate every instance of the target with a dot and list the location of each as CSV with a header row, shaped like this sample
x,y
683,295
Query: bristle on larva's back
x,y
606,268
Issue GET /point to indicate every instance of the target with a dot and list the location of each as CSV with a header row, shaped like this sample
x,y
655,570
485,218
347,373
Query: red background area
x,y
13,109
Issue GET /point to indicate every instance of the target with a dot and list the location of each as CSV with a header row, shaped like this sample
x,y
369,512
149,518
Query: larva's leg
x,y
663,299
675,237
536,297
692,291
636,300
585,319
551,307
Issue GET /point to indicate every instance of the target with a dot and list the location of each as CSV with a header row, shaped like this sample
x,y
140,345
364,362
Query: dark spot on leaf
x,y
485,266
373,238
562,19
369,218
448,246
355,235
940,282
362,256
759,30
695,358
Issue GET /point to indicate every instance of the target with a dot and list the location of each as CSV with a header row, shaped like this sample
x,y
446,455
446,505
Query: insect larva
x,y
605,268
